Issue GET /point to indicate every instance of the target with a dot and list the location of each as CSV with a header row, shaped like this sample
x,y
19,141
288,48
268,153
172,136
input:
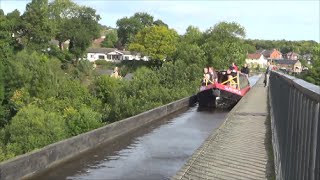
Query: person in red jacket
x,y
235,67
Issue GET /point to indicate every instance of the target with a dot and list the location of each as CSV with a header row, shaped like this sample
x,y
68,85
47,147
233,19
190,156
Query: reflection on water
x,y
154,152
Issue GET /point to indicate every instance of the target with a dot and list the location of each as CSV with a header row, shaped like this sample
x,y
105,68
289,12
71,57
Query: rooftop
x,y
254,56
285,61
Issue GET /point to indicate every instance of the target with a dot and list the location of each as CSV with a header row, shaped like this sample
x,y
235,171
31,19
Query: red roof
x,y
253,56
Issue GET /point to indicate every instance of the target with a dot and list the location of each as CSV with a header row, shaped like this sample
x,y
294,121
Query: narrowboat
x,y
225,93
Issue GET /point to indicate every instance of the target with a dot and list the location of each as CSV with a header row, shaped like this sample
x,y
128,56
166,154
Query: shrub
x,y
82,120
106,64
82,71
102,62
33,128
37,73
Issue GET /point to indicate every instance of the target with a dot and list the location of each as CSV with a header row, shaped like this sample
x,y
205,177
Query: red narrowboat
x,y
224,93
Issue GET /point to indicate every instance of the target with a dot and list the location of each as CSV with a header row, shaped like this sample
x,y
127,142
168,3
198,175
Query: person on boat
x,y
231,80
245,70
206,77
235,67
205,70
213,75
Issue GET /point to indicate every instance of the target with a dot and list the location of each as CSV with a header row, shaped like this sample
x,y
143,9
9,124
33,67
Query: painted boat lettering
x,y
232,90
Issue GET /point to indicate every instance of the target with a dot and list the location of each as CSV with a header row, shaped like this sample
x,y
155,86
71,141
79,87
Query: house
x,y
127,55
108,54
288,65
292,56
308,58
253,60
270,54
113,54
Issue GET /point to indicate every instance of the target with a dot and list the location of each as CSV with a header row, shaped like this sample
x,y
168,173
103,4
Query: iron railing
x,y
294,111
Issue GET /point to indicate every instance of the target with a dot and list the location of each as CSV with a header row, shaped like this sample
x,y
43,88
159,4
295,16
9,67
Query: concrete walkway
x,y
237,150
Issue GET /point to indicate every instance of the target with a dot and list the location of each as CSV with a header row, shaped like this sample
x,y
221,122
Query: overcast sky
x,y
290,20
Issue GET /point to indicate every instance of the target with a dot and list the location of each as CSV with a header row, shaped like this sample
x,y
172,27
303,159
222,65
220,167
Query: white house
x,y
127,55
113,55
253,60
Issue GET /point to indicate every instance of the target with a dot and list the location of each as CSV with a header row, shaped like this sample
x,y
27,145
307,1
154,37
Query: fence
x,y
294,110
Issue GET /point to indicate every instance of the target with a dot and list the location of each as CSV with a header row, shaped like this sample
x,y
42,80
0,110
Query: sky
x,y
271,20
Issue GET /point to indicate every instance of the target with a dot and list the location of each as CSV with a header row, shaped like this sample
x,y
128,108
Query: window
x,y
101,57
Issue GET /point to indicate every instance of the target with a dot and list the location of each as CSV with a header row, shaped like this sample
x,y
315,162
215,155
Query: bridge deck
x,y
238,150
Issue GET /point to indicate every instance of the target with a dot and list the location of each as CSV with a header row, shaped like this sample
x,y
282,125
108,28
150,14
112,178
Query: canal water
x,y
156,151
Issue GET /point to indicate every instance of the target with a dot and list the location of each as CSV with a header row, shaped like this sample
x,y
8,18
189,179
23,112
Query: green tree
x,y
1,93
79,24
128,27
60,12
82,29
145,19
157,42
250,48
111,39
33,128
39,74
193,35
313,75
224,44
190,54
9,26
82,120
159,22
38,28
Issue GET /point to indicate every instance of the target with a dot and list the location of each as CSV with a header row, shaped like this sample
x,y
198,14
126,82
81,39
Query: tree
x,y
38,28
36,72
82,120
224,44
82,29
1,93
193,35
313,76
79,24
60,12
145,19
111,39
9,27
250,48
34,128
190,54
157,42
160,23
128,27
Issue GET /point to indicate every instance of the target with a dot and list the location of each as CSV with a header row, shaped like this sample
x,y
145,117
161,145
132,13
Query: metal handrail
x,y
294,112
